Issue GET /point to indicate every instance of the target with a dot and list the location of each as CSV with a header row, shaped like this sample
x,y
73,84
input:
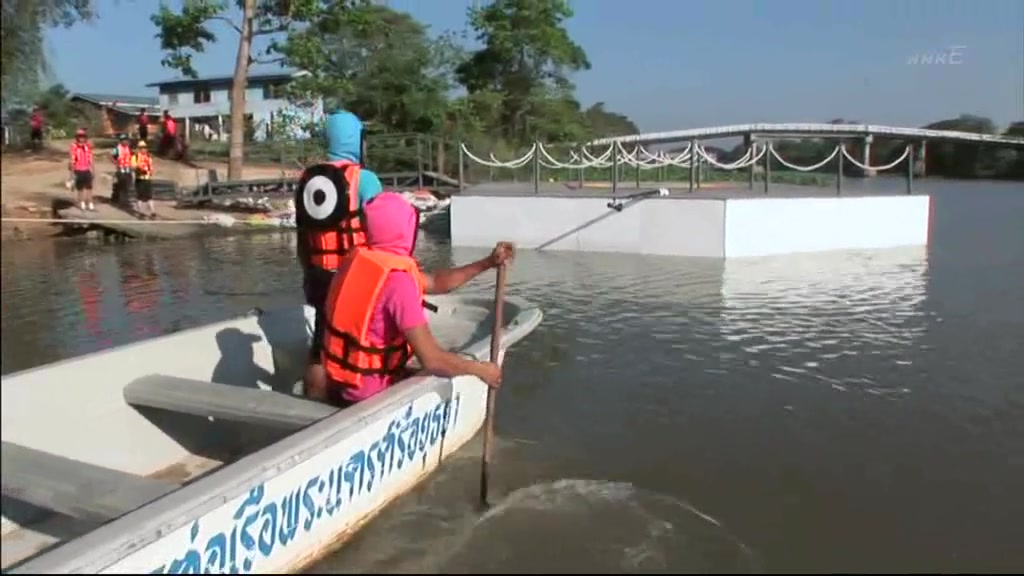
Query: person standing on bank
x,y
122,156
81,167
143,125
329,219
142,163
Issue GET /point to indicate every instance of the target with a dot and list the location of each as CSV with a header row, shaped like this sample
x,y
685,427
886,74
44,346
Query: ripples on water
x,y
856,411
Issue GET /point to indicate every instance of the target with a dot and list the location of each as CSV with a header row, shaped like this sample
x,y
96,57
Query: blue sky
x,y
672,64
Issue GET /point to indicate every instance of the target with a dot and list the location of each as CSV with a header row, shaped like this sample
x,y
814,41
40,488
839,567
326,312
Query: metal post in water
x,y
636,156
910,169
615,168
767,165
462,178
693,163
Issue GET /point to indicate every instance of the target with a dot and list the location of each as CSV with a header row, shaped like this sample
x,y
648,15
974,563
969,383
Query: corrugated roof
x,y
115,99
280,74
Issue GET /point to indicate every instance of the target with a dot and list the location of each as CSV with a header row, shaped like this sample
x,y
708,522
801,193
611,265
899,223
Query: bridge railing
x,y
617,165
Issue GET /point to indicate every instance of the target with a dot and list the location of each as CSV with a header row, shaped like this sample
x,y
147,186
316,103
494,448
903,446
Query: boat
x,y
191,452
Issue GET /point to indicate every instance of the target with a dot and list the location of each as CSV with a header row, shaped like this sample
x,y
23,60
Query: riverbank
x,y
34,187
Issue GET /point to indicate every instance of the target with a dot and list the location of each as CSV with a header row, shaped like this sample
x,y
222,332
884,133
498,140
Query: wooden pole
x,y
499,305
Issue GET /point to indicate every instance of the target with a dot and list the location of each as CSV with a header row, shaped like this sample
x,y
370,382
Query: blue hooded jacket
x,y
344,133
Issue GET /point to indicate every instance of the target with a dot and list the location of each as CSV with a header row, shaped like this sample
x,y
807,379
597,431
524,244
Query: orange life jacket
x,y
143,165
81,156
124,157
347,353
332,235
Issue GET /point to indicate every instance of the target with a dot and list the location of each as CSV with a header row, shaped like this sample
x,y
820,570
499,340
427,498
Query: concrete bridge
x,y
631,150
812,130
917,138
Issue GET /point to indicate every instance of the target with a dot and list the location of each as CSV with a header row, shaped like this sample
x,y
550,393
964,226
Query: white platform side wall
x,y
764,226
652,226
716,228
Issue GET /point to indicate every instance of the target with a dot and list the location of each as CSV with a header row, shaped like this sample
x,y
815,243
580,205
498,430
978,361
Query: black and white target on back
x,y
321,199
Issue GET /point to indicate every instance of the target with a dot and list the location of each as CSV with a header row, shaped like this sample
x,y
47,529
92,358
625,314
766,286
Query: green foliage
x,y
23,63
527,57
186,33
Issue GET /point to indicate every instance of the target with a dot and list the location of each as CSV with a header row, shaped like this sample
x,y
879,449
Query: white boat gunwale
x,y
113,541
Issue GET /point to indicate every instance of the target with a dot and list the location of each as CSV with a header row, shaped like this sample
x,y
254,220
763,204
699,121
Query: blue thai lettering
x,y
371,468
402,424
246,538
355,469
291,505
386,448
190,562
333,493
260,527
268,529
309,504
217,555
411,432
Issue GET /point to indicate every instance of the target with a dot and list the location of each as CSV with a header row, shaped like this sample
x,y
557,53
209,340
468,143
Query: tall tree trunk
x,y
236,156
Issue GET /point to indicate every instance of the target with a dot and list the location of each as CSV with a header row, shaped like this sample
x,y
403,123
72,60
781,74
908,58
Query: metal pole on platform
x,y
583,169
700,170
536,168
910,169
615,168
767,165
839,169
693,162
462,162
636,156
752,150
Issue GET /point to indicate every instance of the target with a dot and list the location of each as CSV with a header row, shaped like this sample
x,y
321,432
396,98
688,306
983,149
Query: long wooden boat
x,y
189,453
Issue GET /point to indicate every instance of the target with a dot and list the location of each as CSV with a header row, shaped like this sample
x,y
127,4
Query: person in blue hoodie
x,y
321,249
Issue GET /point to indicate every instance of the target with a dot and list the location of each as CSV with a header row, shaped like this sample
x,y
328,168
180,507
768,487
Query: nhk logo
x,y
952,56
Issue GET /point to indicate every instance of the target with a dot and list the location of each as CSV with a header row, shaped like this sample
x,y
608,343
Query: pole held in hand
x,y
499,308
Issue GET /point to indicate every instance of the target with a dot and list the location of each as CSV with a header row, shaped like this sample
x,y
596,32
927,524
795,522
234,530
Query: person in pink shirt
x,y
398,314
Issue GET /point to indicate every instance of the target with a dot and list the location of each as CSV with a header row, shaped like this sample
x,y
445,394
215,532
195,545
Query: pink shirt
x,y
399,309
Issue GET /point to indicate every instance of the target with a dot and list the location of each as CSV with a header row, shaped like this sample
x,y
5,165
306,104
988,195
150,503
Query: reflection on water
x,y
858,411
820,315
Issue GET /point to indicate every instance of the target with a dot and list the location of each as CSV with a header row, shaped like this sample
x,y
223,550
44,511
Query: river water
x,y
857,411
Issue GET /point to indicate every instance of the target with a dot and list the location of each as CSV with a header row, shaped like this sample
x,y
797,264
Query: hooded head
x,y
391,224
369,186
344,133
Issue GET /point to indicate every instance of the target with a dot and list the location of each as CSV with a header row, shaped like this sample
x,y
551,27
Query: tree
x,y
23,60
185,33
527,58
602,123
379,63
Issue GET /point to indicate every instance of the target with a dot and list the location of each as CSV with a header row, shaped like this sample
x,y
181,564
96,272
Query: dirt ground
x,y
31,182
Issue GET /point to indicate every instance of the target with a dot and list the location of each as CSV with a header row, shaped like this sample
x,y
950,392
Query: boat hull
x,y
287,505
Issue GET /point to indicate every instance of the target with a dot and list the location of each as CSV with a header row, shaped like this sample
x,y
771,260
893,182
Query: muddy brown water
x,y
855,411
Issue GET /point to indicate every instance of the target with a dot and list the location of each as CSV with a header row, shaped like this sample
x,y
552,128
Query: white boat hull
x,y
285,506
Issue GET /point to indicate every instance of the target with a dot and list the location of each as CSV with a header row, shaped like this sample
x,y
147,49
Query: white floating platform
x,y
717,223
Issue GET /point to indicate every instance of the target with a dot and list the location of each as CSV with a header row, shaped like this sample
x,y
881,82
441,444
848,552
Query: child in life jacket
x,y
81,167
142,163
122,157
364,353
